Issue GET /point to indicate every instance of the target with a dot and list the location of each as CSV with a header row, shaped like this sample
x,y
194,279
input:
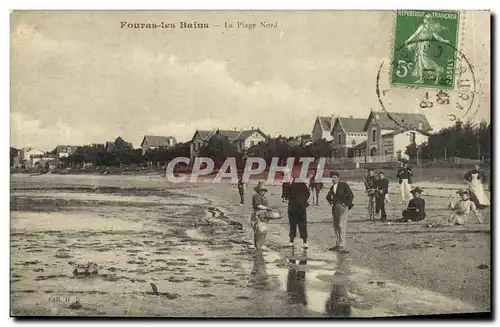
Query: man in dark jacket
x,y
297,194
382,191
340,197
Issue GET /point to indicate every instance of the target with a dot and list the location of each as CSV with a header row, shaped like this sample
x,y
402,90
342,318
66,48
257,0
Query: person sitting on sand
x,y
259,218
461,211
416,207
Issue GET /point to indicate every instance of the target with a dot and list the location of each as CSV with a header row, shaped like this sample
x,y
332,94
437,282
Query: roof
x,y
205,135
154,140
352,125
232,135
31,149
325,123
247,133
399,120
63,148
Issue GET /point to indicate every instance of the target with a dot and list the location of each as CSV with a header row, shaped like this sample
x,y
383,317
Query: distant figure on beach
x,y
285,187
241,189
315,188
460,212
475,178
420,43
405,179
259,219
381,195
297,195
340,197
416,207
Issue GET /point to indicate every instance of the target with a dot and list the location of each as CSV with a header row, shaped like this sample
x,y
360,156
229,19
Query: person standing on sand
x,y
404,175
241,189
475,179
315,188
259,219
298,195
285,187
340,197
382,191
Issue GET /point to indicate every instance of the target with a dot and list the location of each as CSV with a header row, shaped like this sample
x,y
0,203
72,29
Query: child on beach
x,y
259,218
416,207
460,211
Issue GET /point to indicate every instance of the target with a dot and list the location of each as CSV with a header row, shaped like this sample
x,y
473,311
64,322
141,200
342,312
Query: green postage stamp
x,y
425,48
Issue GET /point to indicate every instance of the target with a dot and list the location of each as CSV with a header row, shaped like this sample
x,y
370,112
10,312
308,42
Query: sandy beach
x,y
191,241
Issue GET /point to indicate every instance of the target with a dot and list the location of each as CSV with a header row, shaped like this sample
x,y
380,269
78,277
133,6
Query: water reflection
x,y
258,276
338,304
296,283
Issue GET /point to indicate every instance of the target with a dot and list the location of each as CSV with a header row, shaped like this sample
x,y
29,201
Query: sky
x,y
77,77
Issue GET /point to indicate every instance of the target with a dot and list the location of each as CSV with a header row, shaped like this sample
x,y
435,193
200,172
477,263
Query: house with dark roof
x,y
65,150
322,128
243,139
157,142
346,134
389,134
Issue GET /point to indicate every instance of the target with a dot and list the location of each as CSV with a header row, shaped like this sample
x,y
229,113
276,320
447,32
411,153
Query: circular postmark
x,y
444,93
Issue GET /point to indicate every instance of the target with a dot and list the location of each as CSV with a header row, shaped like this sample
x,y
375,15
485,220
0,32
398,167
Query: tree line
x,y
462,140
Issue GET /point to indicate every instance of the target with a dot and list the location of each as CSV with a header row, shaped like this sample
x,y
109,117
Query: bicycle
x,y
371,204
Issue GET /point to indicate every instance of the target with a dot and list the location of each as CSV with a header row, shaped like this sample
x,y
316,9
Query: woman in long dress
x,y
420,43
475,179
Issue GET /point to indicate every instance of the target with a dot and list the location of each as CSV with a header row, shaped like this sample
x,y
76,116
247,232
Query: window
x,y
412,137
340,138
386,152
252,143
374,134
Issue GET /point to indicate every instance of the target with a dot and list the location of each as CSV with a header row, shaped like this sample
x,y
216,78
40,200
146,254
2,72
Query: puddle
x,y
65,221
335,288
117,198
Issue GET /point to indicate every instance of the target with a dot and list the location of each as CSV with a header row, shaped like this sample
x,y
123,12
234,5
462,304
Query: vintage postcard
x,y
250,163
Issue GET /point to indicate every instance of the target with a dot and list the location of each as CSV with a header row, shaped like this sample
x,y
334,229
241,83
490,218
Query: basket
x,y
273,214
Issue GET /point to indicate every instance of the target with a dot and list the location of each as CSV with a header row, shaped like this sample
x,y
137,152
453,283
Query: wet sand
x,y
191,241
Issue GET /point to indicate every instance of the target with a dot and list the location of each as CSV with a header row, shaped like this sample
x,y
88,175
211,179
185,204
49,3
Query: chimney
x,y
252,128
350,116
